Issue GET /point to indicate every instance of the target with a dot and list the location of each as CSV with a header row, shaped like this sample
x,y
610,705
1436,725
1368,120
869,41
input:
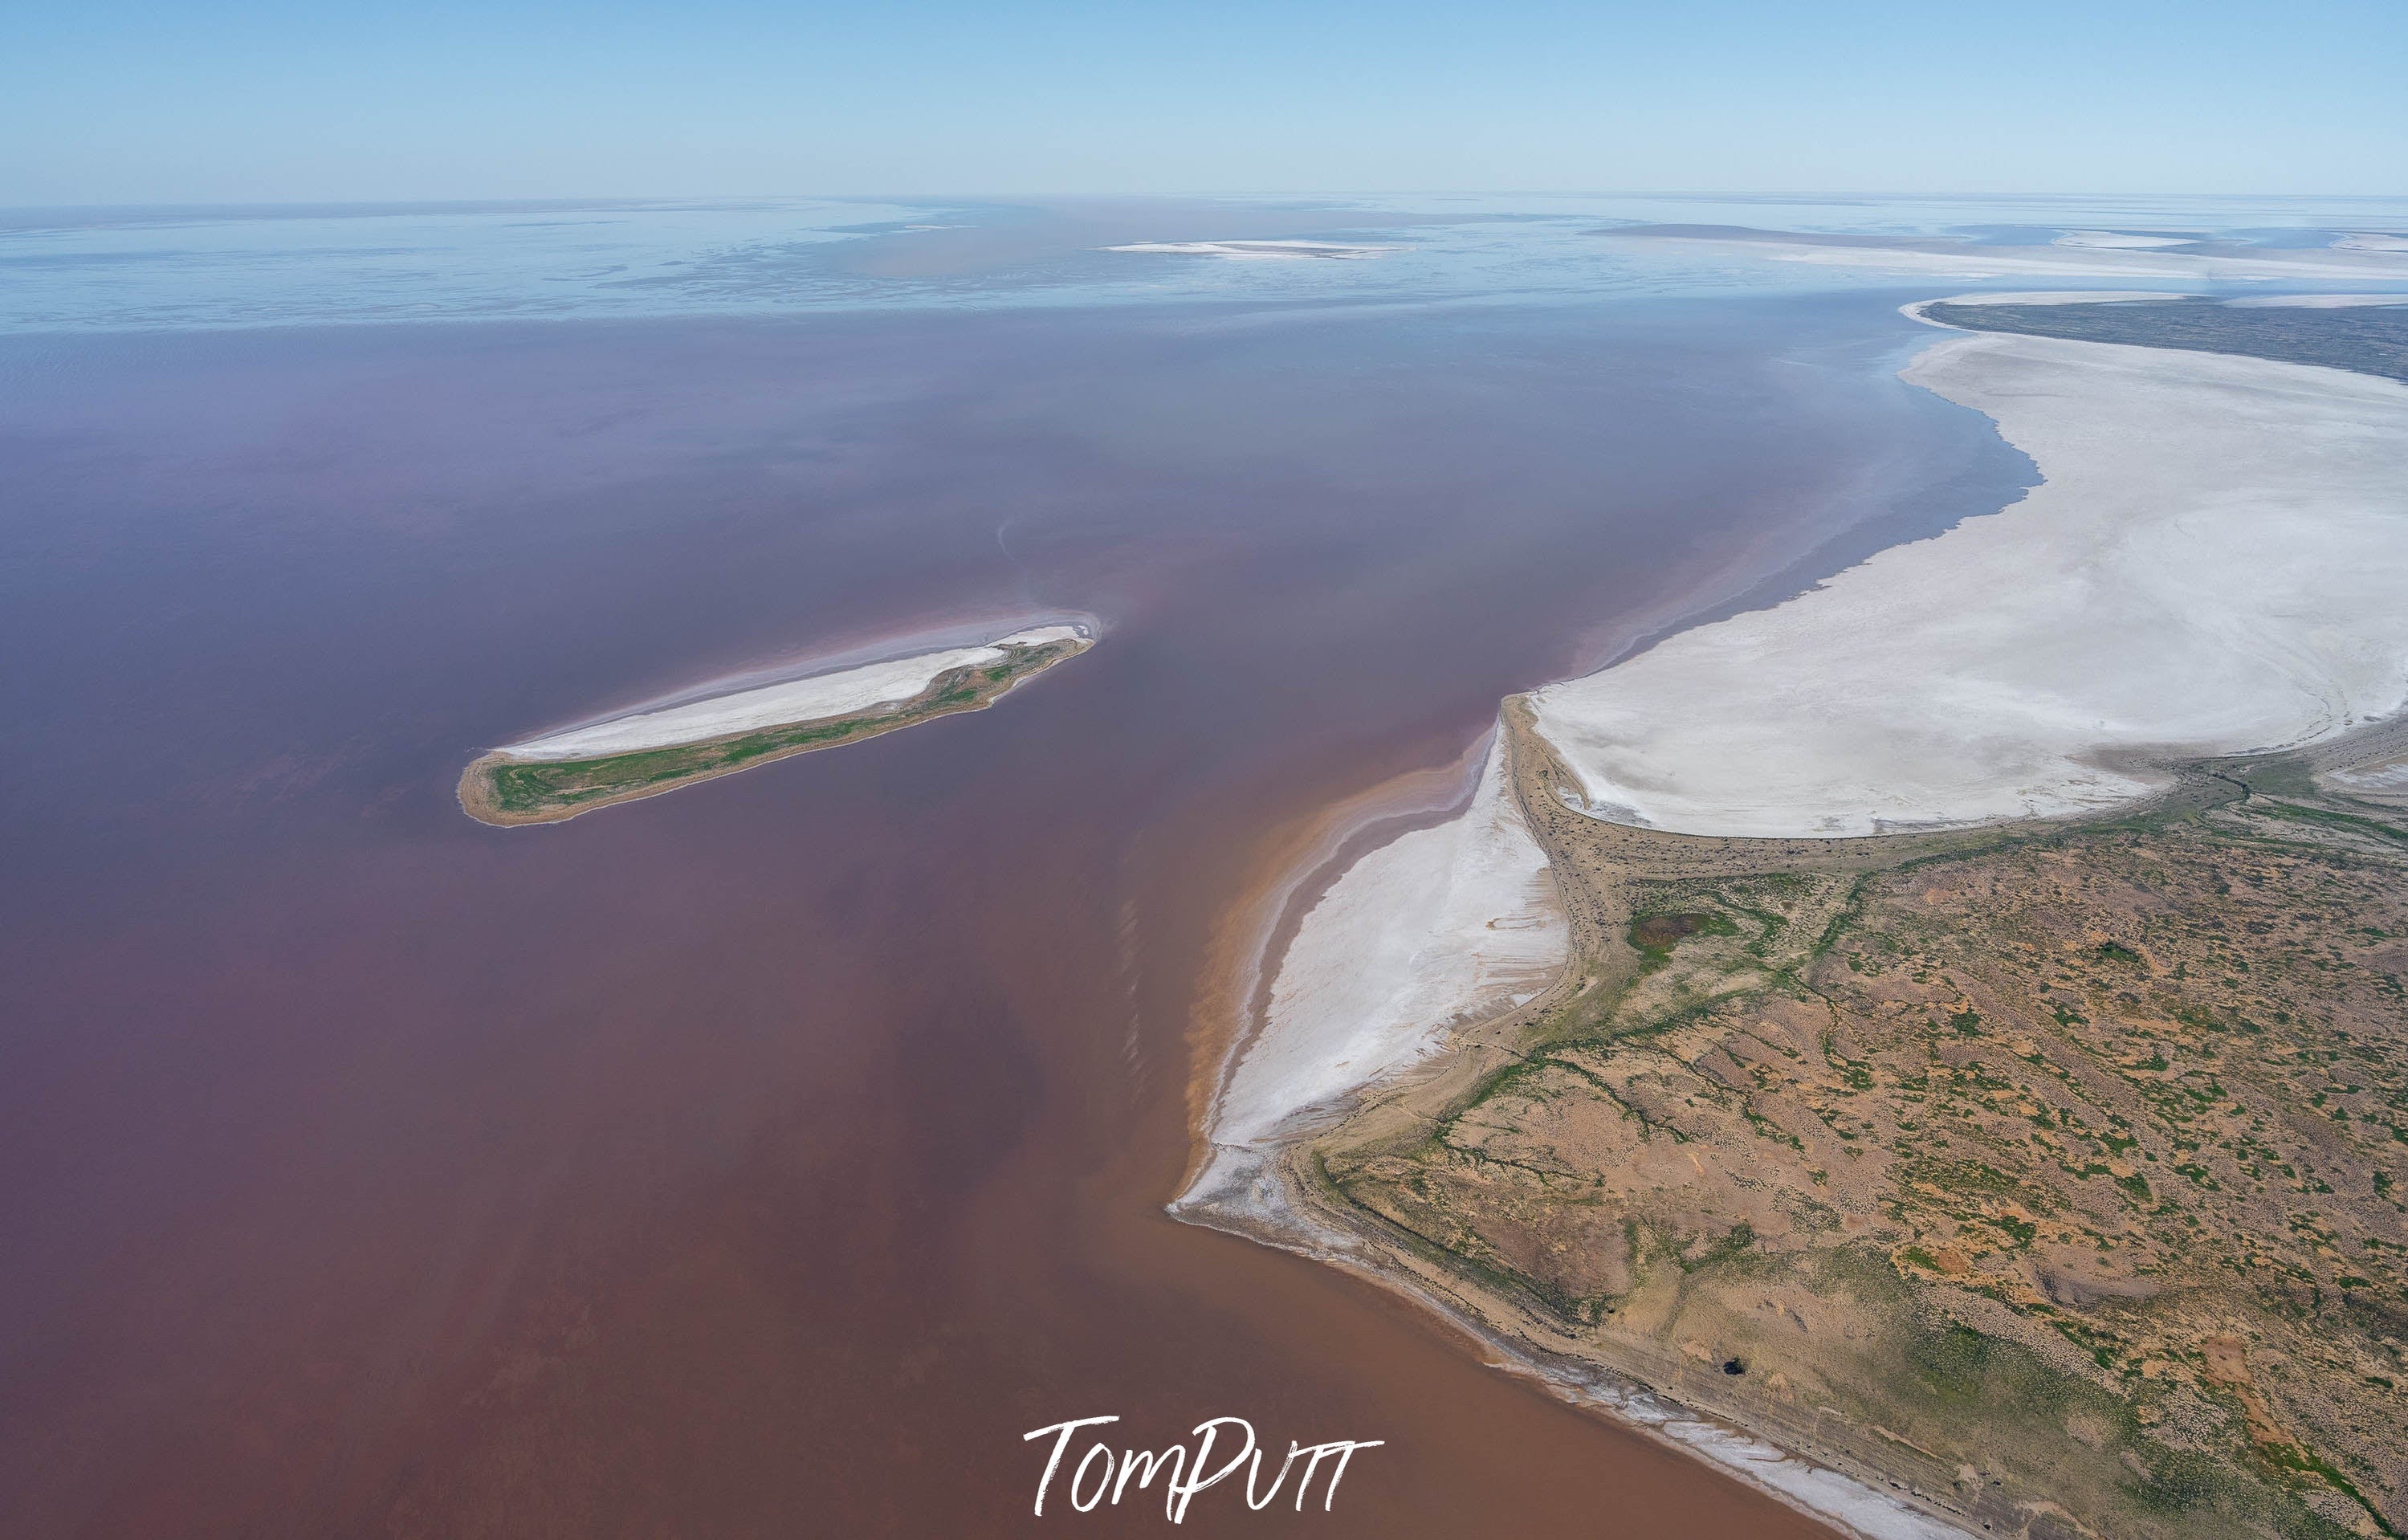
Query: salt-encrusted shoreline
x,y
1258,250
2202,572
838,692
1275,1091
2353,258
1439,926
710,733
2211,566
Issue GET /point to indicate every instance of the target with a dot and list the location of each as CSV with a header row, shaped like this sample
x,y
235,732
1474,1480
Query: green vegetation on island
x,y
499,788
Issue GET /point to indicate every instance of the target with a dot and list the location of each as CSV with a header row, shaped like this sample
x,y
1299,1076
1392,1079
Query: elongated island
x,y
553,778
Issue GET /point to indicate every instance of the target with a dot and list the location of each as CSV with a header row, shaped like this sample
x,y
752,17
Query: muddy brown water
x,y
766,1158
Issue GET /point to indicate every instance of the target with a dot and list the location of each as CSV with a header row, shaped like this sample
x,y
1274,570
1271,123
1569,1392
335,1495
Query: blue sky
x,y
118,101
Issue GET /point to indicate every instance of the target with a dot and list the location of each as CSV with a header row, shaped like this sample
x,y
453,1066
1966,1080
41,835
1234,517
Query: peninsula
x,y
1937,1046
553,778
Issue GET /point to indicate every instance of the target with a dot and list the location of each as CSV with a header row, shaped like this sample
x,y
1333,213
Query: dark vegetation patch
x,y
1657,934
530,790
2367,338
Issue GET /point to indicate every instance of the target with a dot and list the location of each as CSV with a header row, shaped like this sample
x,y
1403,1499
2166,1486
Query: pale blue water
x,y
151,269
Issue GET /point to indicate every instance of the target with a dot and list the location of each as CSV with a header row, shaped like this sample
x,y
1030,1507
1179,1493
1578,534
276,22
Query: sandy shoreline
x,y
2204,570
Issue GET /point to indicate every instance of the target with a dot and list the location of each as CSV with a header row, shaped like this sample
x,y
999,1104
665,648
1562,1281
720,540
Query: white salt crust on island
x,y
1439,925
2214,564
821,695
1258,250
2353,260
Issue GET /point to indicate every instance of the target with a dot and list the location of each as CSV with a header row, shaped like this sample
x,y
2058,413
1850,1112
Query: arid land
x,y
2051,1174
503,789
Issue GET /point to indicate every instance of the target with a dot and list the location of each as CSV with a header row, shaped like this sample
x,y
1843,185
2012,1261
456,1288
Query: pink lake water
x,y
766,1158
